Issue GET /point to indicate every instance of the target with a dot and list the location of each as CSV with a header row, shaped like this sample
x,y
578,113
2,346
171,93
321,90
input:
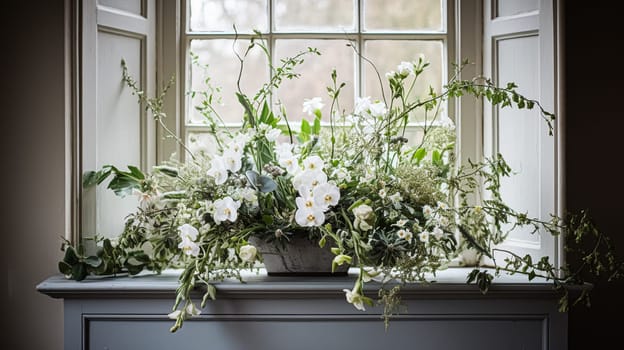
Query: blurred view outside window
x,y
384,31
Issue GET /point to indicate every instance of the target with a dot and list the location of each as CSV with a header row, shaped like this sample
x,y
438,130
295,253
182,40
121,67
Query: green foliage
x,y
399,210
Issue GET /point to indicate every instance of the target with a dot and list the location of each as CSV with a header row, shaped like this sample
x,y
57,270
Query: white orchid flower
x,y
188,231
218,170
284,150
310,106
225,209
313,163
309,217
326,195
290,164
189,247
309,178
232,160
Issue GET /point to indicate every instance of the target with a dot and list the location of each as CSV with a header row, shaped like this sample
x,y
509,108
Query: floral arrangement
x,y
397,210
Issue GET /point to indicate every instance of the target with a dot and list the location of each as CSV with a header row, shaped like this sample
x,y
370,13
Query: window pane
x,y
316,75
403,15
297,15
222,71
220,15
388,54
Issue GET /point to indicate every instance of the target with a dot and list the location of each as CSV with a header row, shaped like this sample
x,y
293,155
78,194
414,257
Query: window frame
x,y
446,36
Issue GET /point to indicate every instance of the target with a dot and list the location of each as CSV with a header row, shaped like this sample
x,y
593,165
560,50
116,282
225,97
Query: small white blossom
x,y
378,109
382,193
442,205
284,150
427,211
395,198
401,223
363,213
437,232
424,236
247,253
405,68
362,105
273,134
405,234
310,106
174,315
225,209
192,310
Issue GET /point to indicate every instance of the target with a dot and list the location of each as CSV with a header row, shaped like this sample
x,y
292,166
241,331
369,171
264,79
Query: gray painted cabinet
x,y
308,313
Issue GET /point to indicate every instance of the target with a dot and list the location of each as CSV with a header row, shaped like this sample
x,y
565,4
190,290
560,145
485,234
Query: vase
x,y
299,256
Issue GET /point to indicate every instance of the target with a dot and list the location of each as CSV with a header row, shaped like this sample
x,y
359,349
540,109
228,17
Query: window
x,y
510,40
385,33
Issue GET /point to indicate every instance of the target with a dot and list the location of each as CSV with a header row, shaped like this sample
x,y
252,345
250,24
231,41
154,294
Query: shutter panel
x,y
114,128
519,46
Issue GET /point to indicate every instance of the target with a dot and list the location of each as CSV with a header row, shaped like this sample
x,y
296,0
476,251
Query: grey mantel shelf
x,y
257,283
307,313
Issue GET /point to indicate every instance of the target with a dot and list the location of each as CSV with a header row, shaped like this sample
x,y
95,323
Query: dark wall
x,y
594,135
31,171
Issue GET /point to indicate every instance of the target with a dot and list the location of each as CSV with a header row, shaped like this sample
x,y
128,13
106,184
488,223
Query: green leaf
x,y
419,154
79,272
305,127
70,256
316,130
174,195
242,99
135,172
167,170
436,157
93,261
65,268
322,242
268,219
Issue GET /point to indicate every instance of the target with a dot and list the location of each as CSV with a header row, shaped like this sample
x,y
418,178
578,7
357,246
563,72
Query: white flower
x,y
405,68
326,195
145,198
424,236
310,106
273,134
378,109
362,105
232,160
188,231
290,164
442,205
442,220
437,232
189,247
382,193
390,74
313,163
174,315
341,174
396,198
247,253
405,234
225,209
355,298
192,310
427,211
309,178
401,223
308,217
249,195
363,211
218,170
306,201
284,150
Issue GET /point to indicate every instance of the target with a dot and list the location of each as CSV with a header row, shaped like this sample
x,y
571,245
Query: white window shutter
x,y
114,128
519,46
